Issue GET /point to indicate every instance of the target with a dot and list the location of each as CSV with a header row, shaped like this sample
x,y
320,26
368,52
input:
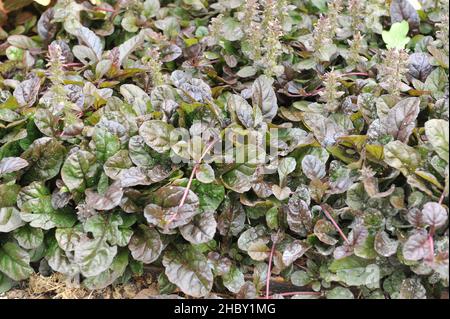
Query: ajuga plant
x,y
231,148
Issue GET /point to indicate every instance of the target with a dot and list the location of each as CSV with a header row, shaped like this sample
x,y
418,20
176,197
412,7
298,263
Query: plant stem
x,y
194,170
191,178
269,268
441,199
335,225
431,244
355,73
188,186
313,93
73,64
104,9
293,293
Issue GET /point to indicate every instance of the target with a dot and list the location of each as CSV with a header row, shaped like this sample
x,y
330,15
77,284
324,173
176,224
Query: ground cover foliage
x,y
350,96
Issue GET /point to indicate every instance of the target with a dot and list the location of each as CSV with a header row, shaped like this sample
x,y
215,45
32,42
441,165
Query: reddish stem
x,y
355,73
269,268
191,178
73,64
188,186
312,93
104,9
431,244
301,293
335,225
441,199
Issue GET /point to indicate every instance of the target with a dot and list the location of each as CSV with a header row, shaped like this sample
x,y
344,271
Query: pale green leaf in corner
x,y
396,37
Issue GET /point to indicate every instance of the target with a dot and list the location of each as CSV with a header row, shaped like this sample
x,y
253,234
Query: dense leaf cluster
x,y
350,96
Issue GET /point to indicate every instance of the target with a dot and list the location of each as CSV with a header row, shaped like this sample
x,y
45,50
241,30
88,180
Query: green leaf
x,y
36,207
396,37
301,278
258,250
263,96
108,227
129,23
412,288
165,211
313,167
169,25
141,155
287,165
299,217
15,262
146,244
205,173
94,256
437,134
110,275
357,196
29,237
106,144
339,293
137,97
117,164
231,219
8,194
189,270
347,263
384,245
201,229
91,40
156,134
368,276
79,171
9,219
59,261
6,283
209,195
231,30
272,218
436,83
294,251
393,283
251,235
45,157
366,248
12,164
401,119
107,201
246,71
325,231
239,179
151,8
233,280
69,238
402,157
